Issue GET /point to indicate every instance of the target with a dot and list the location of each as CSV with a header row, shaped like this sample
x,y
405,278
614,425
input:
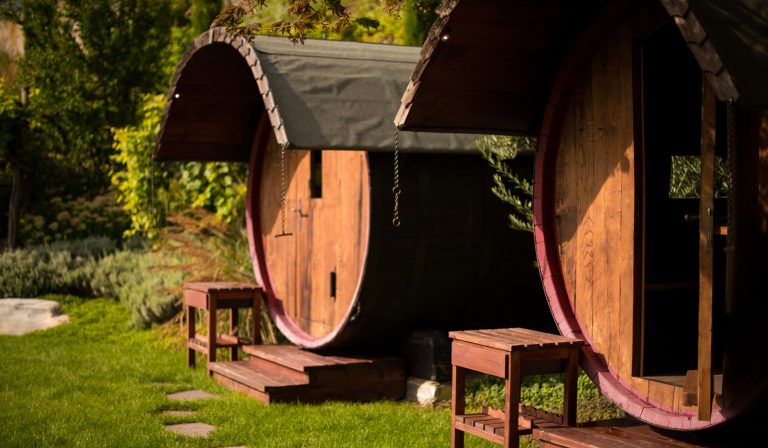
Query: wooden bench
x,y
508,353
214,296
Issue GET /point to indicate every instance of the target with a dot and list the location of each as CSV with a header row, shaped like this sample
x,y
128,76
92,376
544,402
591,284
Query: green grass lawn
x,y
98,382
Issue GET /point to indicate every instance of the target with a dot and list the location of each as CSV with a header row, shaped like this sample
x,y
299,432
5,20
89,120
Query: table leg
x,y
457,406
570,387
256,317
190,311
234,319
512,401
212,330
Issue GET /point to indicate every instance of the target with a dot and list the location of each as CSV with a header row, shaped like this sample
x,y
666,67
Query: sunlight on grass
x,y
100,382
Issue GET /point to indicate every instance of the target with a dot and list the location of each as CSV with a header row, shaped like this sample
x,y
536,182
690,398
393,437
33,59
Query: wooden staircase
x,y
284,373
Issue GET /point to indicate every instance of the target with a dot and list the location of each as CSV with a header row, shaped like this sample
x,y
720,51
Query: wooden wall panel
x,y
595,201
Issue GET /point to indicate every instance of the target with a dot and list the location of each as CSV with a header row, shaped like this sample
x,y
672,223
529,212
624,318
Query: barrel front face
x,y
619,245
312,275
346,278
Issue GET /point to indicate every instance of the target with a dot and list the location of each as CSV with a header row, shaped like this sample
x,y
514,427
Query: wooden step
x,y
268,358
621,433
254,380
296,358
281,373
325,370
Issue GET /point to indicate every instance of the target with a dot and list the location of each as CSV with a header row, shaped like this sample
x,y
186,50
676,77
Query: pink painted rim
x,y
548,255
284,322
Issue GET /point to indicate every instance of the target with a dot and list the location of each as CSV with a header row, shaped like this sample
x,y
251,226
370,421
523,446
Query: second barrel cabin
x,y
314,123
651,182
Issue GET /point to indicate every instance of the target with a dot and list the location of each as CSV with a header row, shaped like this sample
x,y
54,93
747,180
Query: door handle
x,y
299,211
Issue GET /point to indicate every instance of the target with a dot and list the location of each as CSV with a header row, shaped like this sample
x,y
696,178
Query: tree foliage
x,y
151,191
87,63
685,177
299,19
418,16
509,184
85,67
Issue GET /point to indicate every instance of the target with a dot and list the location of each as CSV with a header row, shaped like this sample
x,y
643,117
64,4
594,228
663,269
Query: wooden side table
x,y
213,296
508,353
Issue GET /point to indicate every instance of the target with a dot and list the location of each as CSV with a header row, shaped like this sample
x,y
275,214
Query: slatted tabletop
x,y
514,339
208,287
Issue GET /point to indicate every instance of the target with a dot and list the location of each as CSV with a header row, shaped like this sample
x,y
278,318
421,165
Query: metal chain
x,y
730,123
282,194
396,191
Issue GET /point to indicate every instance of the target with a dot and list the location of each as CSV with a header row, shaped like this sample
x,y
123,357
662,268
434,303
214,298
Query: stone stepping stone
x,y
191,429
190,395
179,413
22,316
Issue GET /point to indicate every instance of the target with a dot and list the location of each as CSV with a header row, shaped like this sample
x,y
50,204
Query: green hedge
x,y
95,267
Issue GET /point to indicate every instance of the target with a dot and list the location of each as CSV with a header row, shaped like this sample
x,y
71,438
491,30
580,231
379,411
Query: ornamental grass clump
x,y
209,249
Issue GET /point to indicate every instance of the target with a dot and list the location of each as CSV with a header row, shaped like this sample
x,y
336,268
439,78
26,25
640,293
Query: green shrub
x,y
141,281
73,219
64,267
150,191
23,275
93,267
543,392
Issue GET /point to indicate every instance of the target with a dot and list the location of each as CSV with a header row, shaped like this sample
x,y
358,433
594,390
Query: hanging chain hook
x,y
396,190
282,193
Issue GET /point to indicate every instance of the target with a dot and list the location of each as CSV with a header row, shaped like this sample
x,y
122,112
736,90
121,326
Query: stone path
x,y
191,429
190,395
194,429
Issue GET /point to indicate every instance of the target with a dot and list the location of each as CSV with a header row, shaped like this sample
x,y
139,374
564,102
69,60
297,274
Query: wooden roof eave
x,y
727,38
212,150
489,65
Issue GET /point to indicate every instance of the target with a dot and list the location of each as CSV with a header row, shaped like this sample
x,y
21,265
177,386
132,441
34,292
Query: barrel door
x,y
314,272
631,228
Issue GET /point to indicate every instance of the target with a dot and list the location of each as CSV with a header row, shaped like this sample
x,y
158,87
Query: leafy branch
x,y
304,16
509,185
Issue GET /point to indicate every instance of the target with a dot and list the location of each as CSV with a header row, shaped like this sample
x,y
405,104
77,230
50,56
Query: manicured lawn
x,y
98,382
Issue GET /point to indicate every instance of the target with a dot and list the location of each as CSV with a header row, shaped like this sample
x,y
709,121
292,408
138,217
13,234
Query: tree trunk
x,y
14,206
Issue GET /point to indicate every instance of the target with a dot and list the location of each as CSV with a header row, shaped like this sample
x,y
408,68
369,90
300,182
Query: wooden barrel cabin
x,y
314,122
651,181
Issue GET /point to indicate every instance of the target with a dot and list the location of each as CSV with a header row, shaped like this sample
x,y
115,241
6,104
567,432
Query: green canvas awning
x,y
320,95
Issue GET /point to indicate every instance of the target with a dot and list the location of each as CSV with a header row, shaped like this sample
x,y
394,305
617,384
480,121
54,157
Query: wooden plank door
x,y
301,217
706,225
